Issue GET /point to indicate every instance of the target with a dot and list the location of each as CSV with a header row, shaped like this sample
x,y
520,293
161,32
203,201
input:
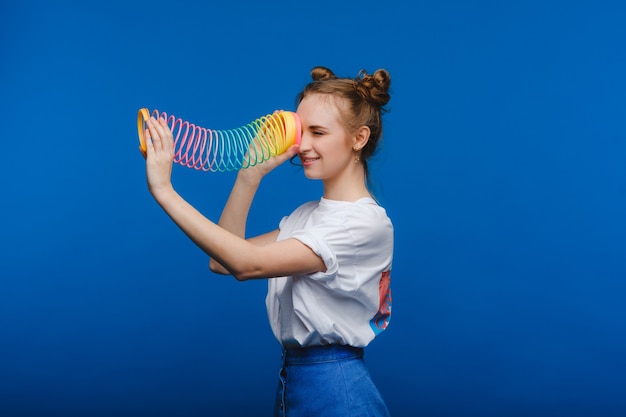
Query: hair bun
x,y
322,73
374,87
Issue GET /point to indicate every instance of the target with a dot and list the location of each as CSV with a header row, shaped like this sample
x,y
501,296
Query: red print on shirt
x,y
381,320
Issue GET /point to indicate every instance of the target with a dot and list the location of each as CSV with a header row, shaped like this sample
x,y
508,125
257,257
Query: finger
x,y
288,154
154,135
159,133
166,134
163,131
292,150
149,144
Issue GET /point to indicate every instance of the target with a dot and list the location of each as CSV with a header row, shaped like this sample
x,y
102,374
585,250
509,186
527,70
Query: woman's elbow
x,y
245,275
217,268
239,275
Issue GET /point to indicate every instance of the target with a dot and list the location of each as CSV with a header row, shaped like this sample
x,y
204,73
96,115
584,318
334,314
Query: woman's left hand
x,y
160,156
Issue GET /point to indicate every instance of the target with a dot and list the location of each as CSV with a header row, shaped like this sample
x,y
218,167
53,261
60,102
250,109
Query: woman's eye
x,y
317,133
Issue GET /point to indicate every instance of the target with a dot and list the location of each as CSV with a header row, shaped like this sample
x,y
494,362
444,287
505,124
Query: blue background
x,y
502,169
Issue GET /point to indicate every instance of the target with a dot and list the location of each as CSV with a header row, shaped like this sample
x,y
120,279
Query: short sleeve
x,y
346,239
321,248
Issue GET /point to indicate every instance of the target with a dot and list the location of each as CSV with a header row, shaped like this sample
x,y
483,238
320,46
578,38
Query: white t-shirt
x,y
350,303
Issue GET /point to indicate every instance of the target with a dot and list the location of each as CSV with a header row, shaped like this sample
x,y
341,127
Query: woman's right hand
x,y
257,172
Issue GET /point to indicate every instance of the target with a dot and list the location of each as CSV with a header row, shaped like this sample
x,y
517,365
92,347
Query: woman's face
x,y
326,146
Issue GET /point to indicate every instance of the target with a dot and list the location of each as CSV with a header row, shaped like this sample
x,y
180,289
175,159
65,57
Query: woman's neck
x,y
348,187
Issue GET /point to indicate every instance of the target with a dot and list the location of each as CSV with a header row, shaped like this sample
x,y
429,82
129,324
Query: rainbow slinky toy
x,y
226,150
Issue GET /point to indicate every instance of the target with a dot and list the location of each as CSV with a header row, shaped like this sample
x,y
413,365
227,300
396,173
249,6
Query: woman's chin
x,y
311,175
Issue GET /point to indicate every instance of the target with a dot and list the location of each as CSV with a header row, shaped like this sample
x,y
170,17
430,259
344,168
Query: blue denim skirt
x,y
326,381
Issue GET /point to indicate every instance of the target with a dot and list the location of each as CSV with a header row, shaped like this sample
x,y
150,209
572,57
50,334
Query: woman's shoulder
x,y
364,216
301,212
362,212
307,207
365,209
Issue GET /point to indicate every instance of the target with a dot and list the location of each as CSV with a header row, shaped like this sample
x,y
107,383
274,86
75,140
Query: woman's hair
x,y
365,95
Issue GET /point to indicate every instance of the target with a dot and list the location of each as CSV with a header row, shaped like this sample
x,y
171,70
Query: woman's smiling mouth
x,y
308,161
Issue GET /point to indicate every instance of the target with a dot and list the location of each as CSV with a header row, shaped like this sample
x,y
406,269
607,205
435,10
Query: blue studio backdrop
x,y
502,167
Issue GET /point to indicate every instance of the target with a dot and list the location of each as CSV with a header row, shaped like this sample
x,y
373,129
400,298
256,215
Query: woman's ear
x,y
361,137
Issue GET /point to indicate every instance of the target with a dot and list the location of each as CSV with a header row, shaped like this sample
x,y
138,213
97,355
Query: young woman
x,y
328,263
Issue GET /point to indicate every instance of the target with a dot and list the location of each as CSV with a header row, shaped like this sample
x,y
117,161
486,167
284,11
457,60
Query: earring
x,y
357,158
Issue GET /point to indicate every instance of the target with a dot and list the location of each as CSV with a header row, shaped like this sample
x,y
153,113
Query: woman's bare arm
x,y
258,258
239,257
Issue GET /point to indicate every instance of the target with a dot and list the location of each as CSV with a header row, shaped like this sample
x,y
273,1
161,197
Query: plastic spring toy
x,y
226,150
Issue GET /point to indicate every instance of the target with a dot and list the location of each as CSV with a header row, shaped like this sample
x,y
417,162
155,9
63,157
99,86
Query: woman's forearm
x,y
217,242
235,213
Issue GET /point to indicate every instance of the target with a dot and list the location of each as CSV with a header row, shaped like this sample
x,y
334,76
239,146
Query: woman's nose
x,y
305,142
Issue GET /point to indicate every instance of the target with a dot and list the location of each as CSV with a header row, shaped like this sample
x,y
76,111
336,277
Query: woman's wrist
x,y
163,193
248,179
